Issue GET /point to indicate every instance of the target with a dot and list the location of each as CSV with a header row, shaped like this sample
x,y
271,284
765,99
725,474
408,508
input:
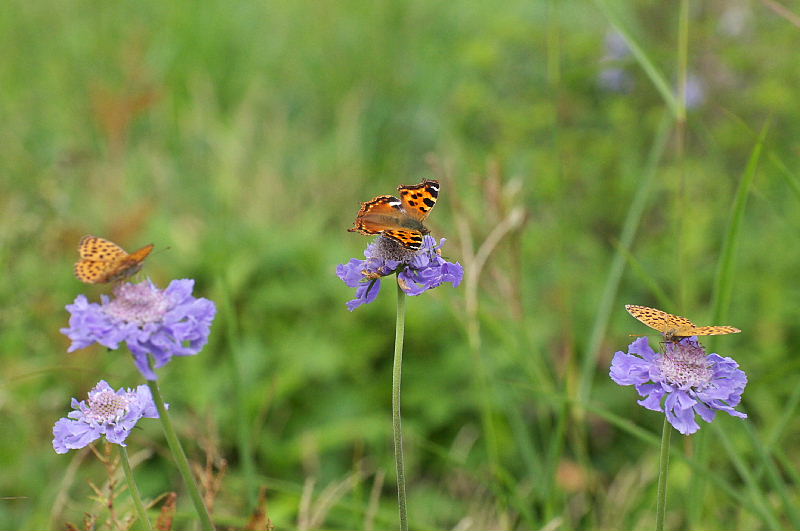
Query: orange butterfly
x,y
104,261
399,219
675,327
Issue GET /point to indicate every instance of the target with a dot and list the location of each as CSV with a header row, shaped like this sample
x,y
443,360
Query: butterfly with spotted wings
x,y
399,219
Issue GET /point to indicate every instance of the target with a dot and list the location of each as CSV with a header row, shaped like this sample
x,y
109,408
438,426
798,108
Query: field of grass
x,y
240,138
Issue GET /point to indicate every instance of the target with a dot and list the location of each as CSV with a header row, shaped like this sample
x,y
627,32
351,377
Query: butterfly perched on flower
x,y
675,327
399,219
104,261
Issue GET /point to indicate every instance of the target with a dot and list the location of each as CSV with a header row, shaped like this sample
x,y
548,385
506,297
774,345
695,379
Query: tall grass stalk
x,y
679,206
180,458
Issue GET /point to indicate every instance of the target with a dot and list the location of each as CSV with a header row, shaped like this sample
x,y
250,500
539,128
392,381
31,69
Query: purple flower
x,y
417,271
613,76
161,323
695,91
106,412
692,382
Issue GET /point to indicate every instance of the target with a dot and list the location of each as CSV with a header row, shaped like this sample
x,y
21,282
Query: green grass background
x,y
240,138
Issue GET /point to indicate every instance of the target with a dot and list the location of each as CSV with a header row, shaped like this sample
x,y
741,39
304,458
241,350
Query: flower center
x,y
387,249
107,406
137,303
685,365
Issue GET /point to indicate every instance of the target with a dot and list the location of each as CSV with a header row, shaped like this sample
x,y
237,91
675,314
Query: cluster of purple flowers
x,y
417,271
155,325
683,382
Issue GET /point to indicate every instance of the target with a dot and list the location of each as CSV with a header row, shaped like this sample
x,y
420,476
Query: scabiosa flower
x,y
106,412
158,323
417,271
689,381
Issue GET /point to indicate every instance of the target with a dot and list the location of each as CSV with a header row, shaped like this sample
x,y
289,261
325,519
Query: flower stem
x,y
141,513
397,427
663,470
180,458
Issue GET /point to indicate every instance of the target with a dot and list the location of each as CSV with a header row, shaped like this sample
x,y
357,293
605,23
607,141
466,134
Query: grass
x,y
240,141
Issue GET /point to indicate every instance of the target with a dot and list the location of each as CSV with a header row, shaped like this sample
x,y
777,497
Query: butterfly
x,y
399,219
104,261
675,327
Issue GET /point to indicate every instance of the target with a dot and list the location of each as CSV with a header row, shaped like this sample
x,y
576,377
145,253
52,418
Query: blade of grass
x,y
240,392
629,227
791,179
723,282
773,476
649,67
757,494
664,300
680,219
723,291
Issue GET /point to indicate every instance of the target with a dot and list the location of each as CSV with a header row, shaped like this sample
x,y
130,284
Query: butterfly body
x,y
104,261
401,220
675,327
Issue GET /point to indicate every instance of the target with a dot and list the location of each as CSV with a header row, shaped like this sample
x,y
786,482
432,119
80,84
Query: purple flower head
x,y
689,381
417,271
613,76
158,323
106,412
695,91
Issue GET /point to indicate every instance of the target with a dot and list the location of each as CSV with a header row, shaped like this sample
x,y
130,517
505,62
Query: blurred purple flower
x,y
158,323
418,271
695,91
614,77
106,412
616,47
689,381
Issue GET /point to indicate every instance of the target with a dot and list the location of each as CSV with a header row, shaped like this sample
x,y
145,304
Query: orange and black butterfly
x,y
104,261
399,219
675,327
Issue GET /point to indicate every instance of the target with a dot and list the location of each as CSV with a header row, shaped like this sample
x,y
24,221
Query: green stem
x,y
180,458
141,513
663,470
397,427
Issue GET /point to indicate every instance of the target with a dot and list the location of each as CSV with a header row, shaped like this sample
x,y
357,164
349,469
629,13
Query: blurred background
x,y
576,177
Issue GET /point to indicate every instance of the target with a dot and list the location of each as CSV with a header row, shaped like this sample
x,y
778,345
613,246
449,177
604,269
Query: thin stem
x,y
141,513
397,427
180,458
663,470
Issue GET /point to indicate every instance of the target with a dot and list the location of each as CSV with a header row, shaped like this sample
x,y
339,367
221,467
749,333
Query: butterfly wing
x,y
408,238
714,330
650,316
377,215
99,249
418,200
91,271
104,261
